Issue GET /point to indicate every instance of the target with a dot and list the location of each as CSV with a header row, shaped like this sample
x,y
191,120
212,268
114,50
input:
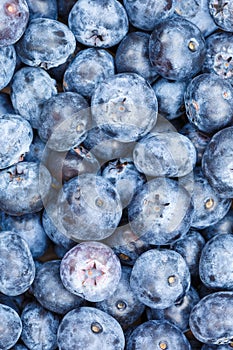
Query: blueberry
x,y
39,327
157,335
91,270
123,304
16,264
7,65
132,55
18,137
19,347
36,150
221,12
11,327
182,60
42,8
118,104
211,318
49,290
160,278
14,17
23,188
225,225
99,23
49,49
63,121
91,329
5,104
30,88
88,207
216,347
89,68
161,211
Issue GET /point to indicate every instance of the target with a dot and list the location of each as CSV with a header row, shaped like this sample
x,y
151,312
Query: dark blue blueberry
x,y
123,174
5,104
190,247
64,120
19,347
225,225
60,251
17,137
11,327
177,49
91,270
49,290
170,95
89,68
100,23
160,278
30,88
132,56
145,14
219,55
159,335
217,162
36,150
30,228
42,8
161,211
90,329
164,154
17,269
221,12
178,314
39,327
215,266
14,15
89,208
23,188
200,102
7,65
211,318
124,106
49,49
209,208
123,305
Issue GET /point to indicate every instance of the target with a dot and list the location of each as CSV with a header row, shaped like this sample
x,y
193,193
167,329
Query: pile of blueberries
x,y
116,175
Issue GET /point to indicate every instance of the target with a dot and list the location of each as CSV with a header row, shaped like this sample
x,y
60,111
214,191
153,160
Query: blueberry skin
x,y
36,150
209,207
160,278
89,68
157,335
146,14
42,8
216,347
167,154
89,208
219,52
95,330
5,104
177,314
51,48
27,182
118,104
211,318
91,270
19,347
29,227
185,59
190,247
170,95
123,304
215,267
11,327
132,56
217,162
17,265
99,23
14,18
200,97
30,88
49,290
39,327
225,225
7,65
125,177
18,135
221,13
63,121
161,212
